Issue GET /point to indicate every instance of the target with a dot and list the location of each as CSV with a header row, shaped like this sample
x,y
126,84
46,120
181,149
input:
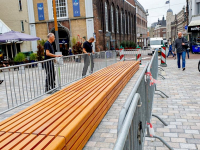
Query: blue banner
x,y
40,8
76,8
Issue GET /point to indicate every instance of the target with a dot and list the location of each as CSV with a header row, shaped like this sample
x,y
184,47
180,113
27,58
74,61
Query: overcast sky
x,y
158,8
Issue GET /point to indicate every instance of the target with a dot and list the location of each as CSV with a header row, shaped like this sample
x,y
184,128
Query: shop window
x,y
61,8
106,16
22,26
20,5
117,20
112,19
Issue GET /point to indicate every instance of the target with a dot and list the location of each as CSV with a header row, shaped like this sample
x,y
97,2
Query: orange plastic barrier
x,y
67,119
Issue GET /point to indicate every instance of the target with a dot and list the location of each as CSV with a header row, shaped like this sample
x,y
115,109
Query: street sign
x,y
186,27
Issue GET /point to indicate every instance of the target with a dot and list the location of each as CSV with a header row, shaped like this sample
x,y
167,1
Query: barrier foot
x,y
162,76
159,67
163,65
160,119
157,137
161,92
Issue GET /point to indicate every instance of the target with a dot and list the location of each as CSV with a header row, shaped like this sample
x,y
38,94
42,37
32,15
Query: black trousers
x,y
50,75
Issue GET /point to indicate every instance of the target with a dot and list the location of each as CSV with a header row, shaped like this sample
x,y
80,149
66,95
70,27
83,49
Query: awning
x,y
194,23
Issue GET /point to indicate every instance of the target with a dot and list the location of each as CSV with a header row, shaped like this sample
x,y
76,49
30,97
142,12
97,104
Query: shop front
x,y
194,30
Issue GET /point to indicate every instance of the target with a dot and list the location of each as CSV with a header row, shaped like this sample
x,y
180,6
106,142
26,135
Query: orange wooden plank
x,y
9,137
13,118
15,122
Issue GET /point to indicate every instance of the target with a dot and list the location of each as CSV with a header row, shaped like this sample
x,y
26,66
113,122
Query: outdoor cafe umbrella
x,y
14,36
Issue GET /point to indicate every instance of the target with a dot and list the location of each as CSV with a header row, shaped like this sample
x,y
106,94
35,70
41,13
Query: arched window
x,y
121,21
106,16
128,25
112,19
117,20
125,23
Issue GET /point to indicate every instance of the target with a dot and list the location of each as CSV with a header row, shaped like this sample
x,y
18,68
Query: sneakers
x,y
1,81
183,69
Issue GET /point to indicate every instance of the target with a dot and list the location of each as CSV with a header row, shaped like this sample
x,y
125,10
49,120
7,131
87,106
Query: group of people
x,y
50,53
179,49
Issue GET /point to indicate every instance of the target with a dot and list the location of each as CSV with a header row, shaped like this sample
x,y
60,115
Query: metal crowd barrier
x,y
26,82
136,113
131,54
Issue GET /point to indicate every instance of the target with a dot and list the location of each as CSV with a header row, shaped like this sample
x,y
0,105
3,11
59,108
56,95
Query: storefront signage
x,y
193,29
40,8
76,8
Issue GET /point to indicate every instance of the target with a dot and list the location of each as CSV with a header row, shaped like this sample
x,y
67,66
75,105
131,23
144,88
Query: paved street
x,y
181,110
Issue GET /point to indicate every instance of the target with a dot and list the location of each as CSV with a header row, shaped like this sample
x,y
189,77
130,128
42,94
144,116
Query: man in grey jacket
x,y
180,49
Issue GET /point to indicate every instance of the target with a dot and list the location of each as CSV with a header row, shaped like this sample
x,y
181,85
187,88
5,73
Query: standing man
x,y
88,51
49,65
180,44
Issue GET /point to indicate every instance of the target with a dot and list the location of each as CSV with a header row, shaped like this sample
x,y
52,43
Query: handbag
x,y
184,46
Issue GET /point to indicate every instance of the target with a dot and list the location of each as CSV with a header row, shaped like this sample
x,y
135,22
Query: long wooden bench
x,y
67,119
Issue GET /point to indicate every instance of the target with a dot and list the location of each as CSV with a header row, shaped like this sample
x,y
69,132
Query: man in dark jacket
x,y
180,49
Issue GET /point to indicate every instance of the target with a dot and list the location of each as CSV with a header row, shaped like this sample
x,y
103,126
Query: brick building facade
x,y
108,17
97,18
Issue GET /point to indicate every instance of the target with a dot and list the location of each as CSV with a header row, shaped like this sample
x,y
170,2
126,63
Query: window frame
x,y
112,18
20,5
117,19
122,22
106,16
22,26
59,10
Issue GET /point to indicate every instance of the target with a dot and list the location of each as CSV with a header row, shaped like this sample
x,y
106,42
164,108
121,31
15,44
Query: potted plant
x,y
32,58
19,59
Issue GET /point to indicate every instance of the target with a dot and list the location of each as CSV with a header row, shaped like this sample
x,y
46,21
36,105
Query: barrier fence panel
x,y
26,82
135,116
131,54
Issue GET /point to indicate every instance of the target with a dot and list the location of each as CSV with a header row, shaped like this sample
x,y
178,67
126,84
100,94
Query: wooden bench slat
x,y
14,117
26,115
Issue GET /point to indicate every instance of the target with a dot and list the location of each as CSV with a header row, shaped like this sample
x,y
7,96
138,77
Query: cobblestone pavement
x,y
181,110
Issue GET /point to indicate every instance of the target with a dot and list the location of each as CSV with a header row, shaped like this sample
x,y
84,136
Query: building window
x,y
61,10
22,26
20,5
106,16
128,25
125,23
117,20
198,5
112,20
121,22
131,25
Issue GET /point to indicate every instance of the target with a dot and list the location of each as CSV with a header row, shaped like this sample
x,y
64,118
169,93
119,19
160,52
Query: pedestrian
x,y
180,46
170,49
49,65
188,51
88,58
